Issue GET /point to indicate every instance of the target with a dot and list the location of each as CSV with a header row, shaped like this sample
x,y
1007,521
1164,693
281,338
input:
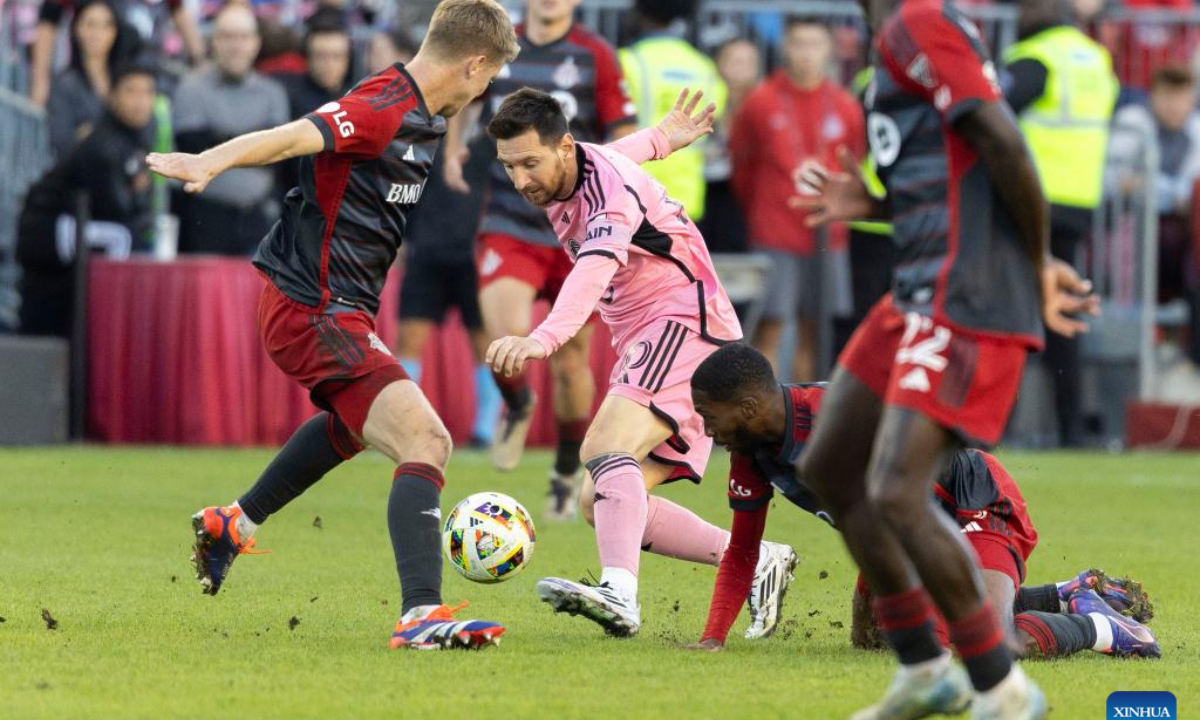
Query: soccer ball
x,y
488,537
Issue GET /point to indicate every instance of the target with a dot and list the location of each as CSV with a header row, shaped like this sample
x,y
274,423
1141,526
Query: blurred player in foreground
x,y
365,161
937,363
640,260
765,425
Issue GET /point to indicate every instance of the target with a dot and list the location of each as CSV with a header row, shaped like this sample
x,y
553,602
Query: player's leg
x,y
835,465
402,425
507,306
910,452
222,533
1123,594
316,447
574,394
465,294
414,334
780,302
423,302
622,434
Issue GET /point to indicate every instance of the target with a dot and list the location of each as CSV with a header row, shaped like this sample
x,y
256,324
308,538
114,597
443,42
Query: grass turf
x,y
99,539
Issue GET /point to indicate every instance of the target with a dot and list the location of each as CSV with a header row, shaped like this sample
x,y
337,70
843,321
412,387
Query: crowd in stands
x,y
787,88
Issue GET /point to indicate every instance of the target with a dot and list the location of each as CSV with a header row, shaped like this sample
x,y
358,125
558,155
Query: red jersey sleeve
x,y
362,123
735,574
748,489
936,53
613,105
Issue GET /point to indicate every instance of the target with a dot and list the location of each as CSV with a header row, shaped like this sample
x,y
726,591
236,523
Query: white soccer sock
x,y
928,669
1104,632
621,580
245,526
419,612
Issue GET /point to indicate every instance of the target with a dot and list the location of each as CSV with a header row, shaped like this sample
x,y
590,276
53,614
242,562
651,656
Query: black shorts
x,y
432,286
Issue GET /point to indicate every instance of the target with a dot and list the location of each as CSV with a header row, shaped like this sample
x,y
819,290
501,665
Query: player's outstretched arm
x,y
681,127
577,300
263,147
993,132
735,576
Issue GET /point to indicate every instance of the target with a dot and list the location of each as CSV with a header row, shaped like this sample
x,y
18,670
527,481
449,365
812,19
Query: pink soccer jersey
x,y
637,255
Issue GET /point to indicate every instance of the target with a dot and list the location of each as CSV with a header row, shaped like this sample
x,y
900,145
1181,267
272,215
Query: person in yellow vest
x,y
657,68
1061,86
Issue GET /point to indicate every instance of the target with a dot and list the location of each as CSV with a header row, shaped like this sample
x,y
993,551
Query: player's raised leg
x,y
222,533
835,464
403,426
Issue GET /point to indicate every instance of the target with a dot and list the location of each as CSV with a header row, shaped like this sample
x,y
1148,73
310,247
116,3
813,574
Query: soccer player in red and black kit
x,y
936,364
520,260
766,425
365,161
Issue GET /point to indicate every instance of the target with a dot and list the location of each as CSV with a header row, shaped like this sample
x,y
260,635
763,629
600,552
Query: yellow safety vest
x,y
656,69
1067,127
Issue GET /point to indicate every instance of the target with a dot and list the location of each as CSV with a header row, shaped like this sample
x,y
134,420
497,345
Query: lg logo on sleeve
x,y
344,126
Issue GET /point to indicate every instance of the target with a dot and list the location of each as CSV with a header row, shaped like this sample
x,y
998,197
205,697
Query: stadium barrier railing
x,y
24,155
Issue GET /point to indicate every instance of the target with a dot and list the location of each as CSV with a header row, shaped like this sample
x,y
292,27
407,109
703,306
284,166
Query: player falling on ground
x,y
765,425
519,258
365,160
937,363
641,261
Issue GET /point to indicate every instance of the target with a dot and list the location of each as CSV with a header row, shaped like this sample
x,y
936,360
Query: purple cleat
x,y
1126,596
1130,638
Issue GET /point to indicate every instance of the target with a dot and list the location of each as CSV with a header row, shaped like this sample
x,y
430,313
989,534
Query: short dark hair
x,y
1173,77
665,12
733,371
528,109
138,66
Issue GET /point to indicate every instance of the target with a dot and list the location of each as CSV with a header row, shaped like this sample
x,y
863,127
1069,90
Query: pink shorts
x,y
655,371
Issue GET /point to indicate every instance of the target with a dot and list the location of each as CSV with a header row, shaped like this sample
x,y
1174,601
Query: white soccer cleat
x,y
512,427
562,499
1015,698
619,616
943,689
771,579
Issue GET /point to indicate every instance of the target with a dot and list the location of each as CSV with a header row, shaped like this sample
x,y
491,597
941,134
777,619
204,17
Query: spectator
x,y
213,105
797,114
78,93
138,21
281,53
389,48
110,166
1142,44
657,67
740,66
327,54
1172,118
1061,85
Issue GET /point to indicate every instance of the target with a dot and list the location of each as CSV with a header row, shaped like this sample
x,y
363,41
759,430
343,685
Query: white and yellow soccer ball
x,y
488,537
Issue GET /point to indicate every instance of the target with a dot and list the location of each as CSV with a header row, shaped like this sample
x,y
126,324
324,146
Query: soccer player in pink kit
x,y
641,261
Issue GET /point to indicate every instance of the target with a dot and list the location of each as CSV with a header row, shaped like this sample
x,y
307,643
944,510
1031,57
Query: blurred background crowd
x,y
1106,92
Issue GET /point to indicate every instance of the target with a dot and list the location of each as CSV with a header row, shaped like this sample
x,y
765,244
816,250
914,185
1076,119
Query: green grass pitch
x,y
99,539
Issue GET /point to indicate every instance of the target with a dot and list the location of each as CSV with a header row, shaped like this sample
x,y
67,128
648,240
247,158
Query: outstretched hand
x,y
507,355
194,170
1065,296
684,125
831,195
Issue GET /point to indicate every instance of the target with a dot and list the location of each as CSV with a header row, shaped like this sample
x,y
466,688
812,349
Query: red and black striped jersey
x,y
342,227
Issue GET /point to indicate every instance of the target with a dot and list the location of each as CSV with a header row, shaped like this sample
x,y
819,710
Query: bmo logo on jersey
x,y
405,193
344,126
